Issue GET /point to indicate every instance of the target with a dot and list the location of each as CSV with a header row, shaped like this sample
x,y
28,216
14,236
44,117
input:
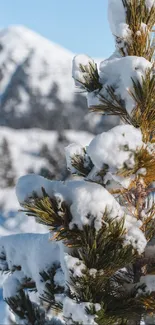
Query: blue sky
x,y
79,25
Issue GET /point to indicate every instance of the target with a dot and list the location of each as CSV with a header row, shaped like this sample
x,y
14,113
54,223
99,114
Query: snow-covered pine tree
x,y
99,267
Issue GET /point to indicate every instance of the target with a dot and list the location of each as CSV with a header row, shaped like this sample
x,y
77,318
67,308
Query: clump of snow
x,y
150,3
136,238
59,277
82,138
77,313
72,151
93,272
92,201
112,180
141,171
32,183
117,19
32,254
74,265
86,202
111,150
115,149
77,74
11,286
119,73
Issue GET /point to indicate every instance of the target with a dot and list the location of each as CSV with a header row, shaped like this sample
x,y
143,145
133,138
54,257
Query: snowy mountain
x,y
46,61
36,86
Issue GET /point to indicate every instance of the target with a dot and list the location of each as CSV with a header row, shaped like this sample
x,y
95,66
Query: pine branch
x,y
139,42
22,306
143,115
149,225
103,252
126,310
111,104
49,212
82,165
90,77
144,159
95,245
46,209
51,288
28,311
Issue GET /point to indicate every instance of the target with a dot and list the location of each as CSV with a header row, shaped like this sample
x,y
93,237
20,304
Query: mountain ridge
x,y
36,79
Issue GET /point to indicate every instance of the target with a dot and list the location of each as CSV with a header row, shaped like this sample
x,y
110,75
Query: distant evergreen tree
x,y
7,173
56,163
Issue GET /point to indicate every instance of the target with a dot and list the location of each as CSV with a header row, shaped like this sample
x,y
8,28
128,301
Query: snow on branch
x,y
131,23
85,203
26,256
